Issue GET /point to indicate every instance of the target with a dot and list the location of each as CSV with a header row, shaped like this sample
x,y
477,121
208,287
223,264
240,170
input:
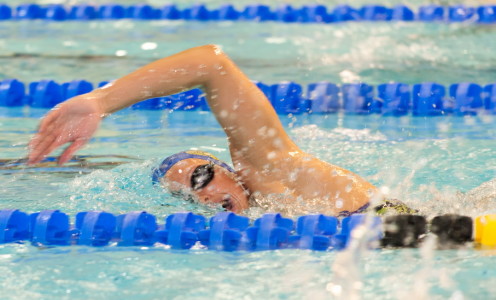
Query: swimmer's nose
x,y
226,201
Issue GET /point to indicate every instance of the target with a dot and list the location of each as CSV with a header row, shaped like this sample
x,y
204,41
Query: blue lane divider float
x,y
95,228
428,99
12,92
254,12
389,99
226,231
181,230
136,229
286,96
359,99
49,227
44,94
322,97
431,13
14,226
315,232
270,232
490,97
467,98
394,98
344,237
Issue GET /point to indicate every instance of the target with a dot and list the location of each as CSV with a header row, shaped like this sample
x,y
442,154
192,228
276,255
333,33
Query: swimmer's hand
x,y
73,121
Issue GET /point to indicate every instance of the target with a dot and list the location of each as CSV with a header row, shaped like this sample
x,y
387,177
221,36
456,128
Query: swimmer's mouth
x,y
228,203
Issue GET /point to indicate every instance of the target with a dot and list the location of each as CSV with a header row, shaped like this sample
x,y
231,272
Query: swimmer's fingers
x,y
44,142
45,136
43,145
69,151
48,119
75,121
42,135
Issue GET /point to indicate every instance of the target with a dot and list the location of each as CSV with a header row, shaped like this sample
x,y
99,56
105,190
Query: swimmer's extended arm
x,y
244,112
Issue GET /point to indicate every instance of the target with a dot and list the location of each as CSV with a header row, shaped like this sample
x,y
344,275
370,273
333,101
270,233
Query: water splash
x,y
314,132
126,188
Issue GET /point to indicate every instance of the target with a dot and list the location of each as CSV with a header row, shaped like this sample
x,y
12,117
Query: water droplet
x,y
271,132
277,142
262,130
385,190
120,53
223,114
271,155
293,175
149,46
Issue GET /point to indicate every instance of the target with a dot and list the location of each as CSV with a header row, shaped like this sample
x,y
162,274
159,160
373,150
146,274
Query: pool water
x,y
423,161
438,164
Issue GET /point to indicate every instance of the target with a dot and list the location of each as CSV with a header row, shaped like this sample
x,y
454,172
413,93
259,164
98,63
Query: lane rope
x,y
396,99
227,231
287,13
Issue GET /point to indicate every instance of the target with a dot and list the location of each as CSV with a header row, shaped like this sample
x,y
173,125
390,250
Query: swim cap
x,y
175,158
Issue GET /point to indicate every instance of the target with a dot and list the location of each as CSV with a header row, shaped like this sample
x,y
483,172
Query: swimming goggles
x,y
202,176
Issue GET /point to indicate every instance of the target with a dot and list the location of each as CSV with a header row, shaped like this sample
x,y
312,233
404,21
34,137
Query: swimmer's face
x,y
208,183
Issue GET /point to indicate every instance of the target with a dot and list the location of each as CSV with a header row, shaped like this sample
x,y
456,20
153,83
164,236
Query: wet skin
x,y
224,189
266,160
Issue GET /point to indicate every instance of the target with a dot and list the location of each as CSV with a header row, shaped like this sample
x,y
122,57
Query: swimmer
x,y
266,161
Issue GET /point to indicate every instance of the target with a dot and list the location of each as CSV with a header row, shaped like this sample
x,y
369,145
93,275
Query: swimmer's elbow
x,y
213,49
213,55
216,62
